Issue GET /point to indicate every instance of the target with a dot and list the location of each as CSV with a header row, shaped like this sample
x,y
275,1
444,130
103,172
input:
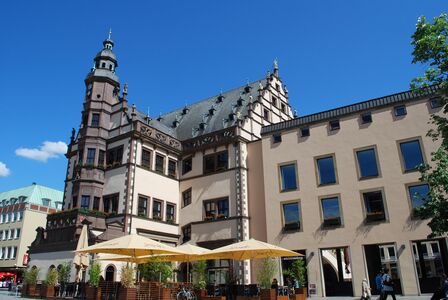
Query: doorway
x,y
337,271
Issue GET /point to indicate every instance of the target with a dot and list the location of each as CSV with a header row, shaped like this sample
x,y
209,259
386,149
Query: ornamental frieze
x,y
208,140
160,137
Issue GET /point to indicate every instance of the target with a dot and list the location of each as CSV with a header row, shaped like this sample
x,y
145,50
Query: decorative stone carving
x,y
207,140
161,137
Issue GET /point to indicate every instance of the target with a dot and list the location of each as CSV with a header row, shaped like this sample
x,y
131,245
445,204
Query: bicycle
x,y
185,294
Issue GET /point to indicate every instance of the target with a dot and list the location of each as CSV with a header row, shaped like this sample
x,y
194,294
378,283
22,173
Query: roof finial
x,y
110,34
276,67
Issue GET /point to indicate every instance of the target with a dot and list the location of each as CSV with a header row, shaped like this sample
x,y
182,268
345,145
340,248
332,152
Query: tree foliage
x,y
155,270
200,274
297,271
64,271
127,276
430,42
31,274
94,274
267,272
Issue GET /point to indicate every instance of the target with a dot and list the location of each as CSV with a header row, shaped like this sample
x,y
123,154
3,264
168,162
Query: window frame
x,y
90,160
400,153
397,107
83,197
280,177
97,121
115,152
282,216
331,126
218,215
276,138
306,129
158,155
189,190
184,229
214,156
317,171
409,196
186,159
159,218
436,100
170,174
364,209
173,220
148,202
358,167
143,161
366,114
322,214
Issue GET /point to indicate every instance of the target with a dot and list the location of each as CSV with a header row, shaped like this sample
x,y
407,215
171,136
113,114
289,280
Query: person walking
x,y
379,281
388,286
366,290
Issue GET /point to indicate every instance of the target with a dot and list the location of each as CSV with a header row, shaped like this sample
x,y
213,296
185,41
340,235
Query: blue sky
x,y
330,53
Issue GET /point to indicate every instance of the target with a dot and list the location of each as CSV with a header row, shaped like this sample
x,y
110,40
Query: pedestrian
x,y
379,282
442,290
366,290
388,286
274,285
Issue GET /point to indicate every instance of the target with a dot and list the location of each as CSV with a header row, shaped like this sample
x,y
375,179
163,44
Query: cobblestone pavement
x,y
4,296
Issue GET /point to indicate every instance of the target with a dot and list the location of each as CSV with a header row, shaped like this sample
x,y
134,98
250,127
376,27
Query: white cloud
x,y
46,151
4,171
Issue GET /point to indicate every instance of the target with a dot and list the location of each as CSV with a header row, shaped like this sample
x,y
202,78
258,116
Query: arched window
x,y
110,273
103,65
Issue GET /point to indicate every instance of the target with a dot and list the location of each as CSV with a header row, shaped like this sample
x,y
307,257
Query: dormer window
x,y
175,123
103,65
202,125
247,88
231,116
274,101
220,98
185,110
46,202
211,111
239,102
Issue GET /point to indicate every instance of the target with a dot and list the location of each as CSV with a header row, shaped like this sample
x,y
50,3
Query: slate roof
x,y
189,122
376,103
32,194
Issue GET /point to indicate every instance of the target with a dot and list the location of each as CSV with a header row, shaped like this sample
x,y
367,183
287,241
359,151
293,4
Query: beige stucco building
x,y
335,185
22,211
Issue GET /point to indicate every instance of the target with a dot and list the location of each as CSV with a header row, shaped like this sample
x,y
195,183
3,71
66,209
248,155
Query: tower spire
x,y
110,34
276,67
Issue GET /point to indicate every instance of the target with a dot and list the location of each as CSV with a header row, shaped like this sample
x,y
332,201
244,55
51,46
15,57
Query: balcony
x,y
215,229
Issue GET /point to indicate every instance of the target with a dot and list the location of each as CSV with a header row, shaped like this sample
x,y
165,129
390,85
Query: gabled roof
x,y
335,113
184,125
32,194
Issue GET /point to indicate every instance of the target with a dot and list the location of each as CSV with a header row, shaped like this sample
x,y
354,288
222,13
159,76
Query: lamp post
x,y
16,267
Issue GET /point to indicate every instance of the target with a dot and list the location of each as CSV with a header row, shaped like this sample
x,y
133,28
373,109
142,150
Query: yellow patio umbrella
x,y
249,249
133,245
81,260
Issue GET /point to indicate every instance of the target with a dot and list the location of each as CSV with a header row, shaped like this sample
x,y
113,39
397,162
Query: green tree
x,y
200,274
431,49
297,271
155,270
94,274
267,272
64,272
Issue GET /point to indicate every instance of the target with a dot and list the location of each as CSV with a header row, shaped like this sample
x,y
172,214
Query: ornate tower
x,y
87,152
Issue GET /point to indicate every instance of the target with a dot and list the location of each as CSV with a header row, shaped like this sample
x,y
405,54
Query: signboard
x,y
312,288
25,259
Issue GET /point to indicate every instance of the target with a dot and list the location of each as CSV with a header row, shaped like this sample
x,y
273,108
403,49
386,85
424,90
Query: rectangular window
x,y
326,170
13,252
304,132
274,101
400,111
170,213
331,211
95,120
17,233
2,250
334,125
1,234
419,194
10,234
20,216
187,165
266,114
366,118
45,202
157,210
142,207
283,108
146,159
291,216
186,233
114,156
110,203
85,201
90,156
436,103
75,201
216,162
96,203
101,157
367,163
411,154
186,197
276,138
374,206
216,209
160,164
288,177
6,255
172,168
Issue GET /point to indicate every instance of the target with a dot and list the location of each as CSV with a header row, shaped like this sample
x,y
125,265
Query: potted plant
x,y
47,290
127,290
265,276
199,278
93,291
298,272
64,271
30,277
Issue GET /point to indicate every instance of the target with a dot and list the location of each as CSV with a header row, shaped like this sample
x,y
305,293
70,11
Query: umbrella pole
x,y
188,272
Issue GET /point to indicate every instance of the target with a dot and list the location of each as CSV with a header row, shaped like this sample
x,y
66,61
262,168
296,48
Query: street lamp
x,y
17,272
